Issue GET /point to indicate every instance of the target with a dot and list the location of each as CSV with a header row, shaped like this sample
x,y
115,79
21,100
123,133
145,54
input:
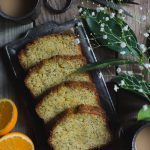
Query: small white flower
x,y
125,72
146,35
93,13
123,45
122,83
141,67
112,15
102,29
80,10
143,48
79,23
98,9
82,3
140,90
120,11
100,75
147,66
102,25
84,13
122,52
141,8
107,18
143,18
125,28
77,41
118,70
102,8
104,37
116,88
129,38
130,72
145,107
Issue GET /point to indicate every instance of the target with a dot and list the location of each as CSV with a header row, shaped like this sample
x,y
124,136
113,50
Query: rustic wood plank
x,y
139,28
60,18
8,89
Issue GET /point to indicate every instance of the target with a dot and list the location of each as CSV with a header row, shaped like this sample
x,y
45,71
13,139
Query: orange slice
x,y
8,116
16,141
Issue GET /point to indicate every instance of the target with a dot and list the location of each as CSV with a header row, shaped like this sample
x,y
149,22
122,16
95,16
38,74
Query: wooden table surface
x,y
10,31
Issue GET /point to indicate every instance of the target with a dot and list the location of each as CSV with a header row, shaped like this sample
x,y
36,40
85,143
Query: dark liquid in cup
x,y
17,8
142,141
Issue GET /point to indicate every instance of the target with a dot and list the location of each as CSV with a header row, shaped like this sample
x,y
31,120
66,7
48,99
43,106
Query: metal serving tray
x,y
11,51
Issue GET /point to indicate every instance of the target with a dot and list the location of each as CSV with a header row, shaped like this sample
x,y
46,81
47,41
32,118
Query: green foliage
x,y
104,64
111,31
124,1
144,114
133,83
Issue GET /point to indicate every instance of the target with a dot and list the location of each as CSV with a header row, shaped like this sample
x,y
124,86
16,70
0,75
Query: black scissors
x,y
57,11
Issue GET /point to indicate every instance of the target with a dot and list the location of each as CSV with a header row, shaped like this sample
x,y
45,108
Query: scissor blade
x,y
112,5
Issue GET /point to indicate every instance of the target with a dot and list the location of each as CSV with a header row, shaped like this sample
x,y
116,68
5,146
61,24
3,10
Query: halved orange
x,y
8,116
16,141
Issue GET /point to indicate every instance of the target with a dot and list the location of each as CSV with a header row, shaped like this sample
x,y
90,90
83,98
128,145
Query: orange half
x,y
8,116
16,141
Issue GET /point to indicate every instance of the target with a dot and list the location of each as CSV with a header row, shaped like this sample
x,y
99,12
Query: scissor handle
x,y
56,11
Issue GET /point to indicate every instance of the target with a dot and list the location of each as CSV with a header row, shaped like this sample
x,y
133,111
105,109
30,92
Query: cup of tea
x,y
141,140
22,11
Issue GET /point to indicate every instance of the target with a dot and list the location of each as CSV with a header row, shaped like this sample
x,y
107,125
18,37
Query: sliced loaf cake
x,y
64,96
48,46
81,129
54,71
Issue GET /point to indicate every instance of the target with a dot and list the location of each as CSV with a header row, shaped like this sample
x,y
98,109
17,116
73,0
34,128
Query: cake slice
x,y
64,96
54,71
81,129
48,46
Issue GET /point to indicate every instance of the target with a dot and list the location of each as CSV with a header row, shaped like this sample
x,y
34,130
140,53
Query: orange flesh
x,y
15,143
5,115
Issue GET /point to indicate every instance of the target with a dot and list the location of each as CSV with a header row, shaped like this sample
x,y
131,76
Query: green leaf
x,y
104,64
125,1
144,114
114,32
133,83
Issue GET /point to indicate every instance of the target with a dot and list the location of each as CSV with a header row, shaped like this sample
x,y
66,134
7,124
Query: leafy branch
x,y
133,83
104,64
112,32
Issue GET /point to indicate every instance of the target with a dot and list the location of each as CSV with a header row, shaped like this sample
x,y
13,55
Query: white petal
x,y
120,11
123,53
107,18
104,37
77,41
123,45
146,35
145,107
118,70
116,88
80,10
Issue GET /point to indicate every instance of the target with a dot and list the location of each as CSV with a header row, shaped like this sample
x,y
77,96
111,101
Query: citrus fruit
x,y
16,141
8,116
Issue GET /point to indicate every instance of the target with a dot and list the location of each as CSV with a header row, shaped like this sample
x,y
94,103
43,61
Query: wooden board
x,y
8,32
11,31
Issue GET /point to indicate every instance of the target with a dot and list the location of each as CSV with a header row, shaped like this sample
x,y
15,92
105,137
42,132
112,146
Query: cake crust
x,y
23,55
73,85
36,70
82,109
